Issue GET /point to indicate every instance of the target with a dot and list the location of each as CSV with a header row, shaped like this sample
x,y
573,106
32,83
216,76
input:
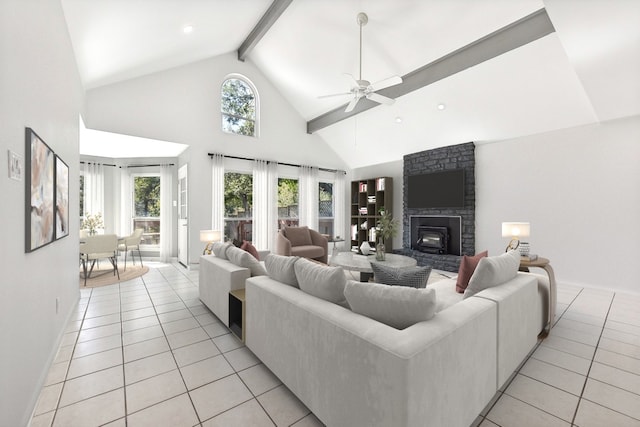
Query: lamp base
x,y
513,245
207,249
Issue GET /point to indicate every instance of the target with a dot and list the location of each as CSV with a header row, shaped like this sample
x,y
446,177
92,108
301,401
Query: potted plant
x,y
386,227
92,223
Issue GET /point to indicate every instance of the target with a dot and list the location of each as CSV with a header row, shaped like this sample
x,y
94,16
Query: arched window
x,y
239,106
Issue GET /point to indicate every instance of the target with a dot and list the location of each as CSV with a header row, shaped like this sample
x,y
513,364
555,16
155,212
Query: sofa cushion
x,y
493,271
414,277
298,236
280,268
247,246
468,265
396,306
320,280
219,249
244,259
307,251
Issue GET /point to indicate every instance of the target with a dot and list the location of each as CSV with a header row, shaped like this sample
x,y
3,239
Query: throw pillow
x,y
298,236
219,249
468,265
280,268
244,259
493,271
321,281
414,277
396,306
247,246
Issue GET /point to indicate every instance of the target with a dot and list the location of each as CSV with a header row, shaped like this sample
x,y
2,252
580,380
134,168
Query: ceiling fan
x,y
363,88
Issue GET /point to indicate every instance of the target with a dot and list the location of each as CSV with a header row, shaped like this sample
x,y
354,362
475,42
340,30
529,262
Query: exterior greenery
x,y
238,108
238,195
147,196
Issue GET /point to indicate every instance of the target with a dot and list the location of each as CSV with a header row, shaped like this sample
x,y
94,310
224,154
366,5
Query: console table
x,y
544,264
362,263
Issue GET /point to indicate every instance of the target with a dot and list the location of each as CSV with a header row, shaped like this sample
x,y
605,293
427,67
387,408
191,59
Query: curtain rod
x,y
126,166
270,161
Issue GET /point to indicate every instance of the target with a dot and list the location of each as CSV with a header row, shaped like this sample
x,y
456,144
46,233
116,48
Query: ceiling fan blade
x,y
335,94
391,81
353,80
380,99
352,105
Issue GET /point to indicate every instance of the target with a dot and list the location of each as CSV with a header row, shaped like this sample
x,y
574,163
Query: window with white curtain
x,y
325,208
146,208
238,206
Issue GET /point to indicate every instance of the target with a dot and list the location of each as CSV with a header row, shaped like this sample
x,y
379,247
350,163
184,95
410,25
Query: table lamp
x,y
515,230
209,236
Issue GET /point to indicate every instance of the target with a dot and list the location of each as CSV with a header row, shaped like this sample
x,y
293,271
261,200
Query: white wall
x,y
580,190
183,105
40,89
393,170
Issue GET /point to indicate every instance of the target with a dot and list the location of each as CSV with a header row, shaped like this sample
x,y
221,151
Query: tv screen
x,y
443,189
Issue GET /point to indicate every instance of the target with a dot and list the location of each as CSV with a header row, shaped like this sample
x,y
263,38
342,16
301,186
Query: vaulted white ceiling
x,y
585,72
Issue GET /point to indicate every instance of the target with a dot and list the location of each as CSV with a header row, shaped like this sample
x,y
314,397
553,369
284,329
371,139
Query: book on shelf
x,y
380,184
363,187
372,234
530,257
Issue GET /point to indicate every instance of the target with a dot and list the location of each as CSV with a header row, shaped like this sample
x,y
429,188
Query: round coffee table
x,y
362,263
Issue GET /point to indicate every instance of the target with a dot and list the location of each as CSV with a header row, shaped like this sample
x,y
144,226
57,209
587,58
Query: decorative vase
x,y
380,252
365,248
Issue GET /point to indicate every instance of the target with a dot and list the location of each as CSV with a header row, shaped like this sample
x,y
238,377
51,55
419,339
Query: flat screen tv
x,y
443,189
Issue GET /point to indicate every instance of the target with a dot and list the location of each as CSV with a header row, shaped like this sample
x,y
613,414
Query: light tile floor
x,y
149,353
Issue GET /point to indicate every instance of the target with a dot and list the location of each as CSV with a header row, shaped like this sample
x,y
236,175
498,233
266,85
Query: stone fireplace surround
x,y
460,156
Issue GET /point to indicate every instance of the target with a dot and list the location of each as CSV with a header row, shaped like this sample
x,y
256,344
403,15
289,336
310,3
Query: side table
x,y
237,313
334,241
544,264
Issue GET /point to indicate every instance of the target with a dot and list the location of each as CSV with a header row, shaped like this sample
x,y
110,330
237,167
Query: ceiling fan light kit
x,y
362,88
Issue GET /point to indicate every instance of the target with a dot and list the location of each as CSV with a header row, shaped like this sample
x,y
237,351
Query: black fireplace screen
x,y
434,240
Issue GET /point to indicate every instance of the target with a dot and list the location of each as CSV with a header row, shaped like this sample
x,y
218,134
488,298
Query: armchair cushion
x,y
298,236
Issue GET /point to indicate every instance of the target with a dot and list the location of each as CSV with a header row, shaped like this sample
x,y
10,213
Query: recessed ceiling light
x,y
398,119
441,107
187,29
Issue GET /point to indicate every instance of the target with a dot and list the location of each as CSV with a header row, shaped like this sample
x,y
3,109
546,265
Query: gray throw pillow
x,y
396,306
219,249
280,268
493,271
413,277
244,259
321,280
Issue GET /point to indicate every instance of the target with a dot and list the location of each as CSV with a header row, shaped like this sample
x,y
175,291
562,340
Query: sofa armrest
x,y
215,279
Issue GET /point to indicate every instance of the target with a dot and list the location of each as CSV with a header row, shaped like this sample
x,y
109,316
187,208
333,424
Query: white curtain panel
x,y
126,203
166,212
272,207
339,191
217,193
308,197
260,204
93,189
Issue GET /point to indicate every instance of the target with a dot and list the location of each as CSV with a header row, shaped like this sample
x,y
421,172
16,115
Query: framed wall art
x,y
62,198
39,192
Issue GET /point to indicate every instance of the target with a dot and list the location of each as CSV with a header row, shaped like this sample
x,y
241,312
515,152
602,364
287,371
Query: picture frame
x,y
39,192
16,166
62,198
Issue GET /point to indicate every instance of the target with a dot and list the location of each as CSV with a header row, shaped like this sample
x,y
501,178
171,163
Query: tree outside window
x,y
325,208
146,206
238,206
238,107
287,202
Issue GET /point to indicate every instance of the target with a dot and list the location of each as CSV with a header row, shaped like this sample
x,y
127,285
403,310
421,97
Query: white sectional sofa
x,y
351,370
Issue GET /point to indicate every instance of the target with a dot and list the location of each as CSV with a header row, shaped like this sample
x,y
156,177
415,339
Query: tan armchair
x,y
303,242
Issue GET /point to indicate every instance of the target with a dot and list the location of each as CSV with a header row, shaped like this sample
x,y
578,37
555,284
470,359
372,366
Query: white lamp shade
x,y
516,229
210,235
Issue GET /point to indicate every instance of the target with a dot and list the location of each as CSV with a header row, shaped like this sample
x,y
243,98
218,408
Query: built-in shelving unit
x,y
368,198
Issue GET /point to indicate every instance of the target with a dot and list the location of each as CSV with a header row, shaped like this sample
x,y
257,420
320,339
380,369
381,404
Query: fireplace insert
x,y
432,240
